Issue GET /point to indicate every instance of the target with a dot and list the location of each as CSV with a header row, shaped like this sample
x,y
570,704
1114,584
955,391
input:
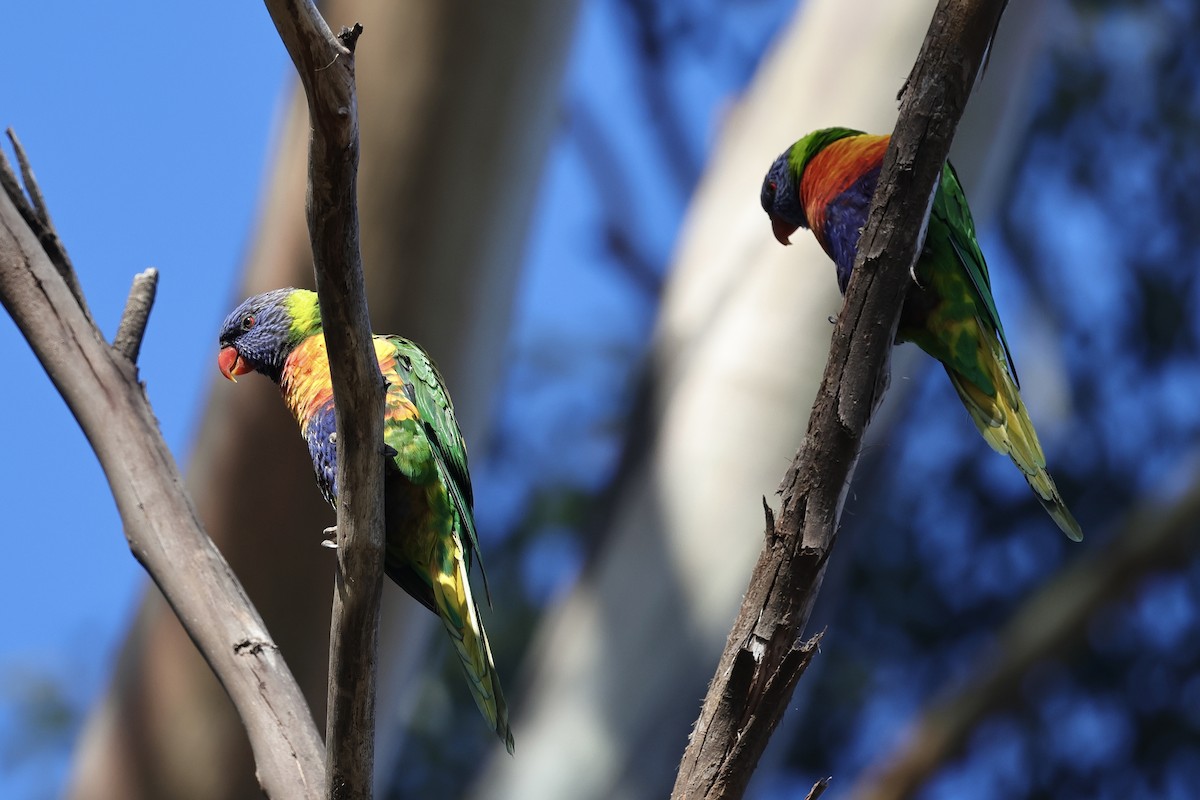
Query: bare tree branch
x,y
1050,623
100,387
36,201
37,216
761,662
12,186
325,64
128,341
818,789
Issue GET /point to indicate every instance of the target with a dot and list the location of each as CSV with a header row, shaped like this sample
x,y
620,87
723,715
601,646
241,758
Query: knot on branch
x,y
769,514
349,36
253,647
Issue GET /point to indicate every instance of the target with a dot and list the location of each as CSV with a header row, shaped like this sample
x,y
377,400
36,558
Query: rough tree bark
x,y
451,94
100,385
325,64
763,656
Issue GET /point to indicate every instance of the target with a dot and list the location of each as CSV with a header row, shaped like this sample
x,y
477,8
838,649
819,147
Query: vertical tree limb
x,y
100,386
325,64
762,654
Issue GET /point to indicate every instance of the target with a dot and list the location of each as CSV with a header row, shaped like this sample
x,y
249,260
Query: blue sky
x,y
147,125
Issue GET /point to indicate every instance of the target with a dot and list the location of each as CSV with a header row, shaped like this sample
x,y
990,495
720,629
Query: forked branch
x,y
100,385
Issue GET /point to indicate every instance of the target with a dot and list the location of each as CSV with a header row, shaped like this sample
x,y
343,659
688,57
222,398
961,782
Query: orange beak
x,y
231,363
782,230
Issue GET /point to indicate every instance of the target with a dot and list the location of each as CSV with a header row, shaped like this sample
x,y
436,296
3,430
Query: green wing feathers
x,y
951,209
425,388
431,523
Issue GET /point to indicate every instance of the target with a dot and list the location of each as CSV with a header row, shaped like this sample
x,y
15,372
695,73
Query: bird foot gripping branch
x,y
330,539
825,182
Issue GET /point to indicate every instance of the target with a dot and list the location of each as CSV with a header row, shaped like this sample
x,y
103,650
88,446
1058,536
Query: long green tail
x,y
1006,426
460,615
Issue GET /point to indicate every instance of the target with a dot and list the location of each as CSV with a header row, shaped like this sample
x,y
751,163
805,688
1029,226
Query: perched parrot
x,y
427,489
824,182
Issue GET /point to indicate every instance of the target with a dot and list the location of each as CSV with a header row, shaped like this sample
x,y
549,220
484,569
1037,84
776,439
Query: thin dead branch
x,y
37,216
325,63
131,331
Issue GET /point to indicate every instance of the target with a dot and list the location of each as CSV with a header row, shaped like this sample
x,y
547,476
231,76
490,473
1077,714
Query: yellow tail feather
x,y
460,615
1006,426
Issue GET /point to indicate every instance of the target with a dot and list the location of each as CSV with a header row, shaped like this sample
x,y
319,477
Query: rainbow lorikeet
x,y
427,492
824,182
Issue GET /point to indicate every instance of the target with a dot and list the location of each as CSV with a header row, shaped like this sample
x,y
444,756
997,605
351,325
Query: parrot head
x,y
260,333
780,195
781,200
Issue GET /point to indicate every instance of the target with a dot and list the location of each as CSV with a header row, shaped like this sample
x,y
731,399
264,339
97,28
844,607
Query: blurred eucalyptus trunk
x,y
457,103
616,674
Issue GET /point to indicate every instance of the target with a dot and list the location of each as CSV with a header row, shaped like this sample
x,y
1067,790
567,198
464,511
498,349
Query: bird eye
x,y
771,186
247,322
407,362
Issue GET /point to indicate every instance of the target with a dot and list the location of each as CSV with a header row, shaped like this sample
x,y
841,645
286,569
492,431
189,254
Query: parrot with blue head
x,y
824,182
428,504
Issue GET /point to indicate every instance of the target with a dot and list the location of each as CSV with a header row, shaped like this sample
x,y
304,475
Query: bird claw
x,y
912,273
331,541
